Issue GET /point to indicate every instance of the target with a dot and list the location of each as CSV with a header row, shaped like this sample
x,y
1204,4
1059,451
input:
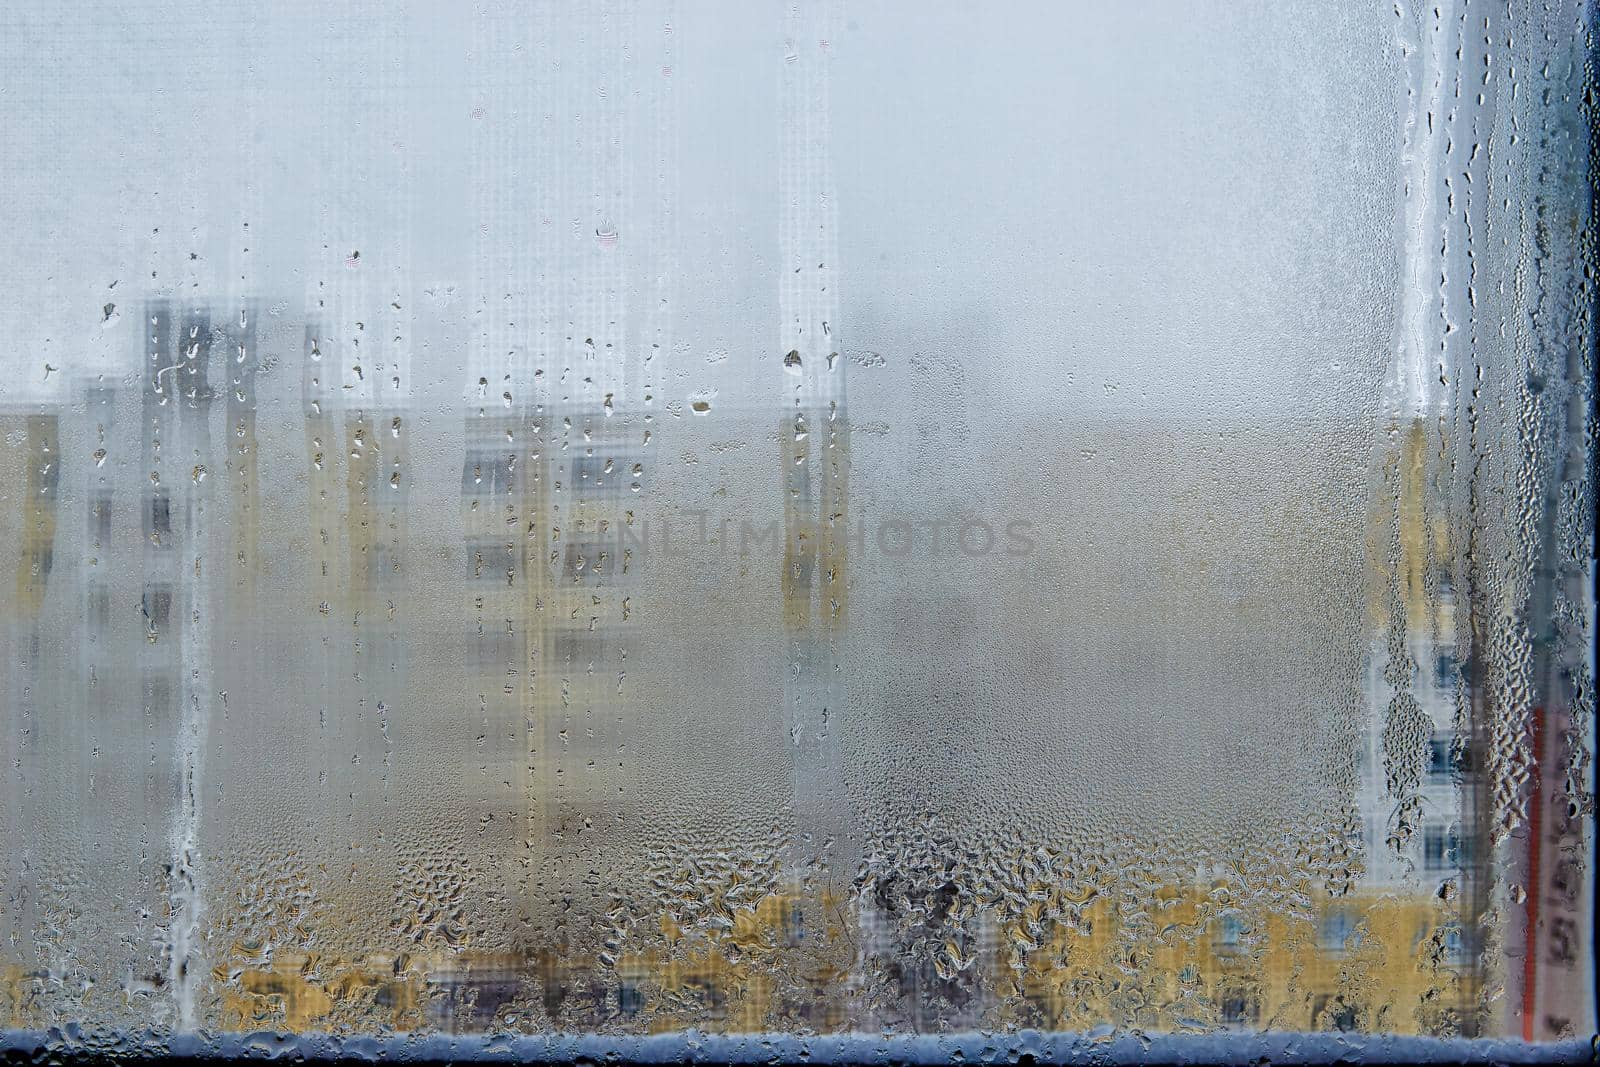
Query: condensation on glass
x,y
809,518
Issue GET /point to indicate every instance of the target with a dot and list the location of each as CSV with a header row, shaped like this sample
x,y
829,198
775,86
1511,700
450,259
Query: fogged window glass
x,y
803,518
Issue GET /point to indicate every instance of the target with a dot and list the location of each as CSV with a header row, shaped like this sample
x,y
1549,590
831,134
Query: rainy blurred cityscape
x,y
386,764
630,518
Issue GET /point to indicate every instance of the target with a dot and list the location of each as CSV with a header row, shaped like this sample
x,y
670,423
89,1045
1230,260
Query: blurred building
x,y
448,721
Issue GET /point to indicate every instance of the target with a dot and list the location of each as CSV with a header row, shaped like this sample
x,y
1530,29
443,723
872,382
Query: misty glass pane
x,y
804,518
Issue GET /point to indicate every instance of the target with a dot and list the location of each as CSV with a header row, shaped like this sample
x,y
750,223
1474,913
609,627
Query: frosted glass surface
x,y
808,517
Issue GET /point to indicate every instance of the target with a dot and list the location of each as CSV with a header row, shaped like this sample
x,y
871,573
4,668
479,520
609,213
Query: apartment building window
x,y
1332,1012
490,561
487,472
1445,847
156,604
1338,926
1230,932
100,511
1239,1009
98,609
1441,758
159,518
